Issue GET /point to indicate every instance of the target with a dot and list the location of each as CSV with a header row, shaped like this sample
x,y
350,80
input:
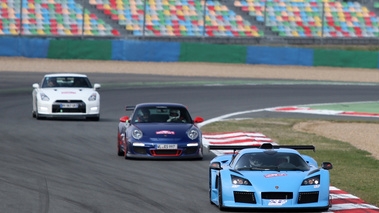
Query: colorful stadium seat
x,y
308,13
175,17
294,18
44,17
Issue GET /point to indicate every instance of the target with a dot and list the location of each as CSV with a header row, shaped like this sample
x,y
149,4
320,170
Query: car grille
x,y
139,150
277,195
57,107
244,197
308,197
171,152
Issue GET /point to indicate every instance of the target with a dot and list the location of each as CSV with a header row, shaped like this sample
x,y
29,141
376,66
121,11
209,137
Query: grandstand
x,y
219,20
50,18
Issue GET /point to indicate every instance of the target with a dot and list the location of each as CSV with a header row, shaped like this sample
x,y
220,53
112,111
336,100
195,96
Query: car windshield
x,y
81,82
161,114
271,161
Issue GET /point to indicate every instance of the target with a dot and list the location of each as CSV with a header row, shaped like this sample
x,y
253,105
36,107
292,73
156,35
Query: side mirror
x,y
124,119
96,86
198,120
327,165
35,86
215,165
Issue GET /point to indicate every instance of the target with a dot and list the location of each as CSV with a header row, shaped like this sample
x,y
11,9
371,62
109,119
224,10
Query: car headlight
x,y
92,97
311,181
137,134
193,134
44,97
240,181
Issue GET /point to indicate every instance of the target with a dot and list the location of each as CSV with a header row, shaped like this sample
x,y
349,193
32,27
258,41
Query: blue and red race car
x,y
269,176
159,130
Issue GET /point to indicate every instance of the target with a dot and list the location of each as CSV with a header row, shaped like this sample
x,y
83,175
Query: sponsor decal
x,y
68,92
165,132
275,175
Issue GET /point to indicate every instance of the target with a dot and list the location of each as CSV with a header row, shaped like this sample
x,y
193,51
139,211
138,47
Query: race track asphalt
x,y
72,165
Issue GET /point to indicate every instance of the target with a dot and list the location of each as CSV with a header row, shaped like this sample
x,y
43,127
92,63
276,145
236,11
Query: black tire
x,y
119,151
126,150
38,117
201,153
210,186
220,205
34,113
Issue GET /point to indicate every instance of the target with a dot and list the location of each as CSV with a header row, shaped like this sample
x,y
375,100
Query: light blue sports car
x,y
269,176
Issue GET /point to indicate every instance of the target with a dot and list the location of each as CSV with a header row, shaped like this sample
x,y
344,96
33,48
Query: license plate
x,y
69,105
167,146
277,202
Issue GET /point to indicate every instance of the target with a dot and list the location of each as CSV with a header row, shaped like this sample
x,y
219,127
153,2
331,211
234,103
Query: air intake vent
x,y
308,197
244,197
173,152
277,195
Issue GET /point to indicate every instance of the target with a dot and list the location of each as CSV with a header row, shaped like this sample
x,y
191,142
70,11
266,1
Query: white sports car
x,y
66,95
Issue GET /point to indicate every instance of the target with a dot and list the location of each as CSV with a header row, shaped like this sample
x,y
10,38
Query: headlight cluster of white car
x,y
92,97
44,97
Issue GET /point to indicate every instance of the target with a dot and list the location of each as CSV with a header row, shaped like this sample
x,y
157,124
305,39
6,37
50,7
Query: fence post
x,y
144,18
265,21
83,11
20,21
322,23
204,10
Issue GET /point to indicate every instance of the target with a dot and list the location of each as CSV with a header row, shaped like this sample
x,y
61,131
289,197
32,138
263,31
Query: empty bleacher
x,y
189,18
50,17
304,18
177,18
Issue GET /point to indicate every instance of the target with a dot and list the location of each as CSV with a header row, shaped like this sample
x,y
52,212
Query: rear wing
x,y
263,146
129,108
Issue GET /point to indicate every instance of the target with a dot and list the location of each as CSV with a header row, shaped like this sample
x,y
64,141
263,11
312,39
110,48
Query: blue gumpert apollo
x,y
159,130
268,177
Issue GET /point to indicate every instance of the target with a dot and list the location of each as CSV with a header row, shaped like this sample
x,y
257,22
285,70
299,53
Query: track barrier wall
x,y
80,49
151,51
199,52
125,50
339,58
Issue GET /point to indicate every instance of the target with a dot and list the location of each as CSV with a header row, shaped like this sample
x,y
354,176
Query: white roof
x,y
65,75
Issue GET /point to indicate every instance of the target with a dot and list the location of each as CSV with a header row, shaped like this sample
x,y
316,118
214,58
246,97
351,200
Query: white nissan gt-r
x,y
66,95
